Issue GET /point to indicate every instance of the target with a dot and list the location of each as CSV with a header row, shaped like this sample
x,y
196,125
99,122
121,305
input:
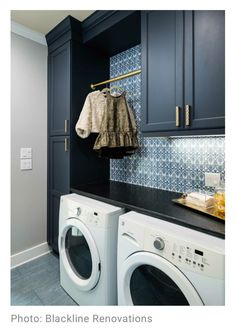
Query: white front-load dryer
x,y
88,249
161,263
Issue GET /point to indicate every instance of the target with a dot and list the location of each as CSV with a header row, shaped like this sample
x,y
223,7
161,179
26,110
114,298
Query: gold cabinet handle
x,y
66,144
177,109
187,115
66,125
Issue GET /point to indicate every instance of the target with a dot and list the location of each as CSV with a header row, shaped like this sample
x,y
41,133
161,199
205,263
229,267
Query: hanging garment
x,y
91,115
118,132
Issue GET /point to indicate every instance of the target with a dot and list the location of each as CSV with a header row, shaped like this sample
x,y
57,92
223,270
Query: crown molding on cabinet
x,y
66,30
98,21
102,20
101,31
104,30
28,33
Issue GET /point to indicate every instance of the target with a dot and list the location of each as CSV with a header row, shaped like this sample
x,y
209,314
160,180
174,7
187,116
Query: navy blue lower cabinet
x,y
58,183
204,69
59,164
183,69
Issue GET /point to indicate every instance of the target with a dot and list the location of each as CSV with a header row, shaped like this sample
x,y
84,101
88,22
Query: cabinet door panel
x,y
205,68
162,67
59,90
59,170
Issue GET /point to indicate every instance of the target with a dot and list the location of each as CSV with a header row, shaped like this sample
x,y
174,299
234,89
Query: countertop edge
x,y
150,213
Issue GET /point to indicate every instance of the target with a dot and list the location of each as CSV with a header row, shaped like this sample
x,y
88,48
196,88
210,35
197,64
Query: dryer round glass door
x,y
148,279
79,254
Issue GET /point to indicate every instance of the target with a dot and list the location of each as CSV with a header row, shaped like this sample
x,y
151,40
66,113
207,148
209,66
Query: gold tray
x,y
209,211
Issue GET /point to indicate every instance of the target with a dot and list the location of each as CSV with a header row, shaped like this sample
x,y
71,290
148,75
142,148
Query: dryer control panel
x,y
86,215
186,252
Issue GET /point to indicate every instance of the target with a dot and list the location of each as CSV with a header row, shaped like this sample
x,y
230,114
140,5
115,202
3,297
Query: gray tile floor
x,y
36,283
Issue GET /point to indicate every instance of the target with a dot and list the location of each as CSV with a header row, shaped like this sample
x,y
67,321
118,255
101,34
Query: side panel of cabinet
x,y
162,69
53,224
205,68
59,90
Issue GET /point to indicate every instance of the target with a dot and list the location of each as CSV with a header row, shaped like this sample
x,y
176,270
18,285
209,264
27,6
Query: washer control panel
x,y
190,256
185,253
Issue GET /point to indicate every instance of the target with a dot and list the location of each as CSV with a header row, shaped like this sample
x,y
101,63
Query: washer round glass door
x,y
79,254
148,279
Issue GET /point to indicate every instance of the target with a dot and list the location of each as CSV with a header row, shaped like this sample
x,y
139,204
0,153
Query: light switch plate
x,y
26,164
212,179
25,153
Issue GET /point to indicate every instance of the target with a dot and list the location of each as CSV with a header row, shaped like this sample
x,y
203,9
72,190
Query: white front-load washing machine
x,y
161,263
88,249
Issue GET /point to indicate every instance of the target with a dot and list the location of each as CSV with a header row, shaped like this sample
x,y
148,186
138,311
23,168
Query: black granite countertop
x,y
153,202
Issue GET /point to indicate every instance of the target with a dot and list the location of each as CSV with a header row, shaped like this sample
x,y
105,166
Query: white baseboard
x,y
29,254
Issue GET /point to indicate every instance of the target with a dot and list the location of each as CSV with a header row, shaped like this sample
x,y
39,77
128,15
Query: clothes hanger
x,y
107,89
120,89
116,87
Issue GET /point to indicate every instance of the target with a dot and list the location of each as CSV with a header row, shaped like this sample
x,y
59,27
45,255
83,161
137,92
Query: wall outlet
x,y
212,179
26,164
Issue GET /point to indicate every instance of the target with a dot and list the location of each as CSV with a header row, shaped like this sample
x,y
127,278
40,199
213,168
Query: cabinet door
x,y
162,69
205,68
59,183
59,90
59,170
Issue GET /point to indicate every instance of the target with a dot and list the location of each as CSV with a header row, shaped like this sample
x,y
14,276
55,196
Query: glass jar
x,y
220,199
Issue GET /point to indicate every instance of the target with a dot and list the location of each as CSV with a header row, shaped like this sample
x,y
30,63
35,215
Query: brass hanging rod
x,y
126,75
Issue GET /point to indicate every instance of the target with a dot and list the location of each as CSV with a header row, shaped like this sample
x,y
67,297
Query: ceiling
x,y
44,20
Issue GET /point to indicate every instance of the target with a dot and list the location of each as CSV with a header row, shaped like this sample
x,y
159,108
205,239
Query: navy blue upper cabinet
x,y
182,72
205,68
162,67
59,91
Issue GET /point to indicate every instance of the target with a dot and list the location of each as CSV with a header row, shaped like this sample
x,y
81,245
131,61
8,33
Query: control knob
x,y
159,244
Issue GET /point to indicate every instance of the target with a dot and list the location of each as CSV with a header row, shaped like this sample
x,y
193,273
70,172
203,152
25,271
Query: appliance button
x,y
159,244
78,211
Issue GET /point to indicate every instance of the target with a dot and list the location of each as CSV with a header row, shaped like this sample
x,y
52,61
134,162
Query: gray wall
x,y
28,129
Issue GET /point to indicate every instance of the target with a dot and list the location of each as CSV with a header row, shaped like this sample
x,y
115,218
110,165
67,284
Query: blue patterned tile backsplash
x,y
175,164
